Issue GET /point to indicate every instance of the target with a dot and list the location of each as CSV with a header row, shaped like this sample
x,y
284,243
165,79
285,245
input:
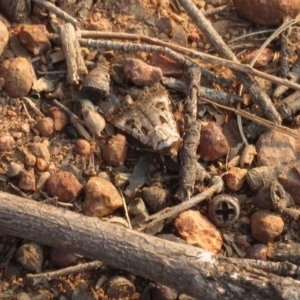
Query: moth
x,y
148,119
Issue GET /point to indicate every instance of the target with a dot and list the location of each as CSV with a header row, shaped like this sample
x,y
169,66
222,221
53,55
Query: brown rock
x,y
31,257
120,287
213,143
198,231
3,36
156,198
35,38
235,178
6,142
266,226
61,258
59,117
141,73
17,75
257,251
115,151
263,59
101,198
40,150
29,160
63,185
45,126
82,147
41,164
26,181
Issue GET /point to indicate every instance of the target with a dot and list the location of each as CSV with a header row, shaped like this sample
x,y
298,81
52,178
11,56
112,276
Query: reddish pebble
x,y
141,73
263,59
82,147
115,151
101,198
197,230
26,181
194,37
3,36
235,178
257,251
17,75
63,185
59,117
213,143
6,142
61,258
45,126
41,164
35,38
266,226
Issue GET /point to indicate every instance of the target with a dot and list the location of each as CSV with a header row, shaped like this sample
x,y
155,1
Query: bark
x,y
187,269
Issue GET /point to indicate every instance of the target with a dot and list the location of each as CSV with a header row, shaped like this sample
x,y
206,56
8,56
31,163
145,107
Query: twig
x,y
289,106
57,11
172,212
190,53
257,94
216,10
125,208
183,61
75,121
190,139
34,279
75,62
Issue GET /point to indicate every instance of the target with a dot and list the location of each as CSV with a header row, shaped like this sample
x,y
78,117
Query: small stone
x,y
101,198
213,143
168,66
41,164
45,126
82,147
13,169
21,296
80,294
6,142
266,226
29,160
257,251
115,151
120,288
26,181
156,198
40,150
63,185
3,36
61,258
235,178
17,74
198,231
35,38
59,117
263,59
30,257
141,73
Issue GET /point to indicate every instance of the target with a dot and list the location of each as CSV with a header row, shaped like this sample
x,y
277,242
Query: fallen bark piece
x,y
285,252
187,269
198,231
101,198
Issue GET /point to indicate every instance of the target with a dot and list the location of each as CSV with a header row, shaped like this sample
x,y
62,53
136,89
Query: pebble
x,y
80,294
59,117
235,178
18,78
257,251
35,38
13,169
264,58
29,160
120,288
213,144
6,142
21,296
82,147
63,185
266,226
101,198
115,151
41,164
141,73
26,181
61,258
156,198
45,126
30,256
40,150
3,36
198,231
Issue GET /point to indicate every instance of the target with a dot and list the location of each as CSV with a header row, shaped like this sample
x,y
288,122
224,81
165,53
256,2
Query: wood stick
x,y
190,53
187,269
